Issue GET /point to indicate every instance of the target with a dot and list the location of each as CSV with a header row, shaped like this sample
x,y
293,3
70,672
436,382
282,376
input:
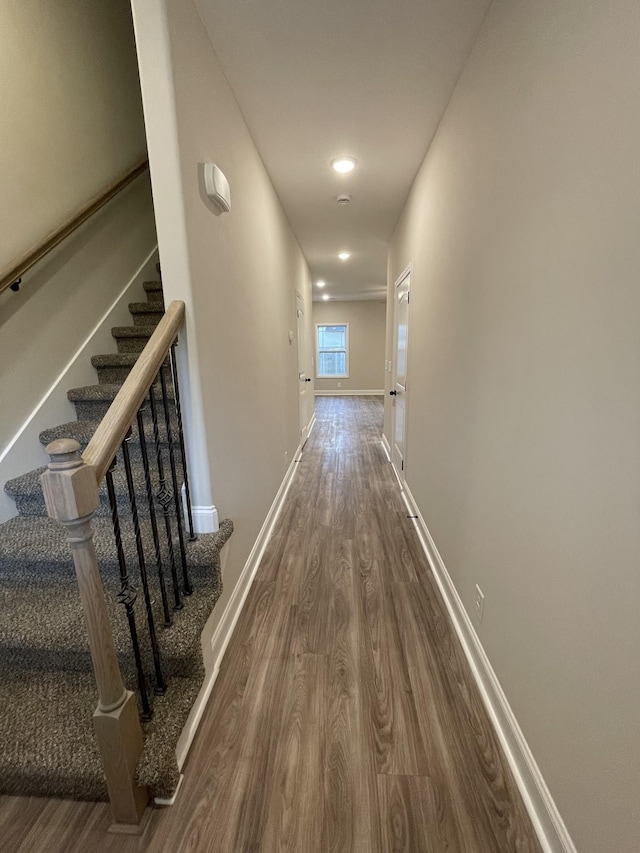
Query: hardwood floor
x,y
344,718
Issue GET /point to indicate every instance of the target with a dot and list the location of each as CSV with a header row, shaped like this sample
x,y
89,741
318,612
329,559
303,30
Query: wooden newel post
x,y
71,496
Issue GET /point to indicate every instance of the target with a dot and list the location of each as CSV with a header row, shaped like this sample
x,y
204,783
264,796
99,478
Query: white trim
x,y
52,389
386,446
344,393
205,519
547,821
229,618
344,375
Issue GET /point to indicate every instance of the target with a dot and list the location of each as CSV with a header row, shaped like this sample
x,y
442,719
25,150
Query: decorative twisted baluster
x,y
187,588
160,686
152,516
165,499
127,595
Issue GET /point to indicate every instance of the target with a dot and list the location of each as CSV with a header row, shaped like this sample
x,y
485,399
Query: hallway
x,y
344,717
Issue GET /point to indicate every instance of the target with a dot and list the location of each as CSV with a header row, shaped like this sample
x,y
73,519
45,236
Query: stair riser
x,y
78,660
155,296
117,375
95,410
33,506
147,319
131,344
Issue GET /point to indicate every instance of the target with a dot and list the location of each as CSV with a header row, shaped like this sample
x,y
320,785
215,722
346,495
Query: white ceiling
x,y
316,79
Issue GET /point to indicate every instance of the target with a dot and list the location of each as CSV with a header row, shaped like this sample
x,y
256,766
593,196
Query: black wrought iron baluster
x,y
174,479
183,454
152,515
160,686
165,499
127,595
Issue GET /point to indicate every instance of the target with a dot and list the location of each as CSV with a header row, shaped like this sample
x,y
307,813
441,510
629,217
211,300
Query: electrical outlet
x,y
479,603
339,384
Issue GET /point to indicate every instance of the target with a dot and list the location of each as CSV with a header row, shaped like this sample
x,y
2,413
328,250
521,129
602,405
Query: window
x,y
332,350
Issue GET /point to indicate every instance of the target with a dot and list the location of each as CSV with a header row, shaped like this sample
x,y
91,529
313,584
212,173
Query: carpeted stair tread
x,y
82,431
93,392
115,359
146,313
26,490
48,743
157,767
42,625
49,747
42,612
104,393
133,331
145,308
37,546
132,338
113,368
153,290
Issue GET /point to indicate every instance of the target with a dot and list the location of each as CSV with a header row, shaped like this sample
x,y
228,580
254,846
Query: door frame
x,y
303,370
406,272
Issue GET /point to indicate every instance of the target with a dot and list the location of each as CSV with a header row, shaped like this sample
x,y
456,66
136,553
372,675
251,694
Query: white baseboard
x,y
205,519
547,821
386,446
225,627
346,393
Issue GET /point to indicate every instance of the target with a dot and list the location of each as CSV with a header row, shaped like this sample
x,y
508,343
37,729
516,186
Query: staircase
x,y
47,685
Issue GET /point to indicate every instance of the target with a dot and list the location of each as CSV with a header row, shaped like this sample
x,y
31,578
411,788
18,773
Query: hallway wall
x,y
72,114
237,272
524,378
366,344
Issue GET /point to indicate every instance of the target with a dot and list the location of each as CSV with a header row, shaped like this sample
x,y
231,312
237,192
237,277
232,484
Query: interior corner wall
x,y
237,272
524,377
366,344
72,113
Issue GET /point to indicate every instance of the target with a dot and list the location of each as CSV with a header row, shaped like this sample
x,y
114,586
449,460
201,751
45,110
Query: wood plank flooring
x,y
344,718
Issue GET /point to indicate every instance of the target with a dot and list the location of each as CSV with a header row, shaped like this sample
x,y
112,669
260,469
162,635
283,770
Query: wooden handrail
x,y
114,426
24,263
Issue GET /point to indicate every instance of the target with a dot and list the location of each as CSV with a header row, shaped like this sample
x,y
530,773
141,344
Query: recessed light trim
x,y
320,283
343,165
344,256
325,296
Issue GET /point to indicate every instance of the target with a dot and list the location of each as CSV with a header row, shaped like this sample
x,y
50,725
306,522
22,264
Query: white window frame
x,y
344,375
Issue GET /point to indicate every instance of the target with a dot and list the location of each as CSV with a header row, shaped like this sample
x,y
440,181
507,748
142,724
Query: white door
x,y
304,380
399,384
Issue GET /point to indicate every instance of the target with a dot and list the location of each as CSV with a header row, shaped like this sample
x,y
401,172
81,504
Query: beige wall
x,y
237,272
72,121
72,115
366,344
524,377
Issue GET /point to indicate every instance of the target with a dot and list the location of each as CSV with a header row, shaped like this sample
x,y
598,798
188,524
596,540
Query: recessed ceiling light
x,y
343,164
320,283
325,296
344,256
